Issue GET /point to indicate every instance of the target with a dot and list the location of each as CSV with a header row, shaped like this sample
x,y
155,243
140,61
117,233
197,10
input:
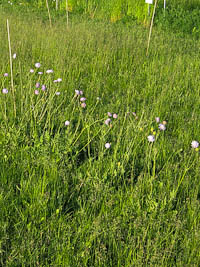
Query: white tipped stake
x,y
67,13
150,31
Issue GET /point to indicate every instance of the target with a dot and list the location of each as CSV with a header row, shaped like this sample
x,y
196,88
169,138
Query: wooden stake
x,y
150,31
67,13
48,13
11,69
56,5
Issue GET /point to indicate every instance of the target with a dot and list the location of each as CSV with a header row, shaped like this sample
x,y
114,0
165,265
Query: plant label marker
x,y
149,2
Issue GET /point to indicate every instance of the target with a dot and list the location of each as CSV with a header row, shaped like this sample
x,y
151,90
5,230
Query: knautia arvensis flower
x,y
5,91
43,87
67,123
195,144
151,138
107,121
162,127
107,145
37,65
49,71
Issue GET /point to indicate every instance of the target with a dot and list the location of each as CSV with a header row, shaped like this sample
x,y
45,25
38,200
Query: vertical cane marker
x,y
150,31
11,69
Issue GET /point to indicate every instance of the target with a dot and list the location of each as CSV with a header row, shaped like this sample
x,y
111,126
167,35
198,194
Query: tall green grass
x,y
65,199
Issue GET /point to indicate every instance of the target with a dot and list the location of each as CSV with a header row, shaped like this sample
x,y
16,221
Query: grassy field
x,y
77,189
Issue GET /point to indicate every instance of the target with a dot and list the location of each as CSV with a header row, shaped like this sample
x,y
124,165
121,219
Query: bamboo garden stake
x,y
48,13
11,68
150,31
56,5
67,12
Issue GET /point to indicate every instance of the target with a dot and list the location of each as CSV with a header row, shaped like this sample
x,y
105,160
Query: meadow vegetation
x,y
97,164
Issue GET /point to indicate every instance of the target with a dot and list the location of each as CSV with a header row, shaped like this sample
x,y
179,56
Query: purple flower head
x,y
157,119
151,138
82,99
5,91
77,92
81,92
59,80
67,123
109,114
57,93
55,81
44,87
37,65
40,72
115,116
107,121
162,127
14,56
37,85
36,92
31,70
83,105
5,75
49,71
195,144
107,145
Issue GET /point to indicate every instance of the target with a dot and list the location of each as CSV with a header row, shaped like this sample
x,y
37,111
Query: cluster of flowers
x,y
110,115
161,127
79,93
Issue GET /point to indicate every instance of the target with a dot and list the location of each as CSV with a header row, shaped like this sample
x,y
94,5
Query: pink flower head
x,y
67,123
82,99
77,92
107,121
37,65
59,80
157,119
151,138
195,144
31,70
5,91
115,116
37,85
36,92
5,75
40,72
107,145
49,71
83,105
109,114
81,92
162,127
43,87
14,56
57,93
